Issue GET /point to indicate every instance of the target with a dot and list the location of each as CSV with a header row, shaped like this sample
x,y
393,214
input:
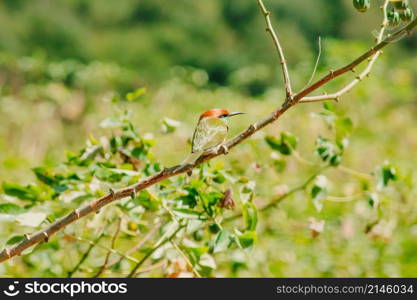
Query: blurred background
x,y
62,62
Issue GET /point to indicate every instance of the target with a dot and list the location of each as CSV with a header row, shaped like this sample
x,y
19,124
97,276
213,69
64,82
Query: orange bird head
x,y
218,113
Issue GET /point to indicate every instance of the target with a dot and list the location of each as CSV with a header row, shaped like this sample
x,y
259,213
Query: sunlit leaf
x,y
135,95
15,239
11,209
285,145
222,242
111,123
386,174
28,192
32,219
246,239
250,215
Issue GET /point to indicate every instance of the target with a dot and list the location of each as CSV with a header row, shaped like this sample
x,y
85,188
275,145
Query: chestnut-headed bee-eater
x,y
210,133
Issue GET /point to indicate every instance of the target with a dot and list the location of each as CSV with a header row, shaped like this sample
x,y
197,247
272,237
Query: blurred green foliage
x,y
131,77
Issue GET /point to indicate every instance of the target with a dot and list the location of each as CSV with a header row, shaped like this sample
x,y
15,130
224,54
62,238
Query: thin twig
x,y
380,41
114,251
315,65
196,273
277,44
113,244
278,200
85,255
96,205
137,246
158,244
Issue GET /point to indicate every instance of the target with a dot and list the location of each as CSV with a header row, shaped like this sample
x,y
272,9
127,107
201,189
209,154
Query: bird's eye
x,y
224,116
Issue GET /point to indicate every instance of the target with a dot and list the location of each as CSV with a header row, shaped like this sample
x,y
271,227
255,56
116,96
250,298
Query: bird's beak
x,y
235,114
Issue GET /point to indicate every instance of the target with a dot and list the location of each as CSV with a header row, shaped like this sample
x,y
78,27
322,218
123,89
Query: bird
x,y
210,133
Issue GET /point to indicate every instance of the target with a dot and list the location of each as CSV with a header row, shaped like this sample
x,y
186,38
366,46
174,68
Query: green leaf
x,y
373,199
168,125
285,145
329,106
386,174
329,118
44,176
206,260
188,213
250,215
28,192
327,150
32,219
318,192
289,139
109,175
223,241
146,199
246,239
135,95
111,123
14,240
190,198
11,209
344,127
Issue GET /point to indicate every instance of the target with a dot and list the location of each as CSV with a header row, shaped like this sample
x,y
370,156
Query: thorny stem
x,y
96,205
277,44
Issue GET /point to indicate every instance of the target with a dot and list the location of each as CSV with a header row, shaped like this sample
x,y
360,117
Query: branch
x,y
363,74
113,244
137,246
374,51
131,191
277,44
85,255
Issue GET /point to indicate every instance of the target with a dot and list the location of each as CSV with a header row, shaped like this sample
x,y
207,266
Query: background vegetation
x,y
153,65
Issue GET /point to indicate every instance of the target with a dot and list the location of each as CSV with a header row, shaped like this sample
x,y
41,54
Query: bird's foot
x,y
223,149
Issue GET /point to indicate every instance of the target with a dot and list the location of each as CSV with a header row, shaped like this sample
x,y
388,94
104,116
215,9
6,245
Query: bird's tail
x,y
191,159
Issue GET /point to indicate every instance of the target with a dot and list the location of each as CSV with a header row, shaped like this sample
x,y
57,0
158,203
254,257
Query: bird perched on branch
x,y
210,133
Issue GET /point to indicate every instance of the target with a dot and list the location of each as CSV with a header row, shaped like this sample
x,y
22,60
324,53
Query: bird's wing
x,y
209,133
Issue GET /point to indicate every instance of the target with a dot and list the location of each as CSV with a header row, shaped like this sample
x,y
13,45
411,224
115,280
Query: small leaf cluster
x,y
198,204
399,10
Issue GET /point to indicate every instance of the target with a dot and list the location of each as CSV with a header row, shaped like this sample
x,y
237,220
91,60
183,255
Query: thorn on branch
x,y
112,192
77,213
252,128
358,78
276,114
7,252
46,239
337,98
133,194
223,149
